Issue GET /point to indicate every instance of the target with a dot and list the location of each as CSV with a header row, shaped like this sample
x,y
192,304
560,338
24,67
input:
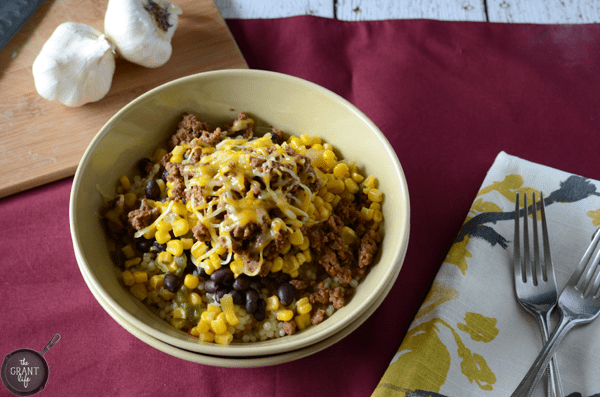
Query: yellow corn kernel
x,y
286,247
132,262
175,247
179,313
194,331
315,140
177,322
306,139
226,302
164,258
318,201
367,213
347,195
220,250
295,142
284,315
180,209
125,184
194,298
130,199
203,326
224,339
218,326
207,315
296,238
237,266
328,207
302,321
187,243
370,182
349,235
231,318
341,170
208,337
336,186
305,243
294,273
317,146
162,236
358,178
327,146
180,227
303,306
307,255
198,249
157,281
173,267
128,251
375,206
329,158
213,309
163,226
377,216
272,303
139,291
191,281
336,200
140,276
166,294
128,279
375,195
324,213
158,154
207,266
277,264
351,186
176,158
300,257
328,196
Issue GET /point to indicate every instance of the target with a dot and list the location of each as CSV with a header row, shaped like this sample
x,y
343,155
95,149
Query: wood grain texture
x,y
260,9
509,11
451,10
42,141
548,11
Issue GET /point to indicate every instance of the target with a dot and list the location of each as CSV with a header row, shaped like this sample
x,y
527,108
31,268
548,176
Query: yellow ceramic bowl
x,y
272,99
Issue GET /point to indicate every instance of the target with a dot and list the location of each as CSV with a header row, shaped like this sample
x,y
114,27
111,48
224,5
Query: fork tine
x,y
583,274
536,267
548,265
526,263
517,264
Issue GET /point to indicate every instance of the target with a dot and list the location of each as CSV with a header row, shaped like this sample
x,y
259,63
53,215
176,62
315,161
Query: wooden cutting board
x,y
42,141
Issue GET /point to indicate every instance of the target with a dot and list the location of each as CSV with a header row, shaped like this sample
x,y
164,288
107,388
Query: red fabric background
x,y
448,95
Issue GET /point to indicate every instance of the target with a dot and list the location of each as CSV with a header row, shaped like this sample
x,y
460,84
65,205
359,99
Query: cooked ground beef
x,y
191,127
142,217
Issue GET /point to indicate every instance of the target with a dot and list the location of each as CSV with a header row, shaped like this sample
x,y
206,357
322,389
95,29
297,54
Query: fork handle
x,y
554,383
533,376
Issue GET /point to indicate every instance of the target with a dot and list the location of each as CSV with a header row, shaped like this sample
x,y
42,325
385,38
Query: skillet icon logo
x,y
25,371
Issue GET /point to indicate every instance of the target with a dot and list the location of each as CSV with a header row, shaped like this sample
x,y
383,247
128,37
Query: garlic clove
x,y
142,29
75,66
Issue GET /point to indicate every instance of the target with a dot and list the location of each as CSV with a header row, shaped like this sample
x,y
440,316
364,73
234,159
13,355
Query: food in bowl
x,y
231,236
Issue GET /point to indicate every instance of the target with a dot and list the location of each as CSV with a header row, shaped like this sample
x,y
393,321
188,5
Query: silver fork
x,y
535,285
580,304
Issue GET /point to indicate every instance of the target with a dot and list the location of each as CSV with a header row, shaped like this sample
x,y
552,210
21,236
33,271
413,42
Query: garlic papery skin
x,y
75,66
142,29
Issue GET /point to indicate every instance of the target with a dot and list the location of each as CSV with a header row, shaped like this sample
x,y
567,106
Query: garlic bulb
x,y
142,29
75,66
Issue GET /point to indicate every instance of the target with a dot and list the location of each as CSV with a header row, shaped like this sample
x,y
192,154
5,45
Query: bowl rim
x,y
255,348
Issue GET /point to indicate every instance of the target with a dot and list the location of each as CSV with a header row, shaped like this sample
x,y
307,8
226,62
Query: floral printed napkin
x,y
471,337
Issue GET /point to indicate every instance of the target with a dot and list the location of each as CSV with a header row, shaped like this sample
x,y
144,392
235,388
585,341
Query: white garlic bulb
x,y
75,66
142,29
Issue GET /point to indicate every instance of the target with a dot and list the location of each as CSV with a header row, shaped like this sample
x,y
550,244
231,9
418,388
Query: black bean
x,y
118,257
210,286
286,293
260,312
160,246
282,277
221,274
202,273
266,282
152,190
172,282
163,175
220,294
241,283
189,266
143,165
255,285
251,301
143,245
238,297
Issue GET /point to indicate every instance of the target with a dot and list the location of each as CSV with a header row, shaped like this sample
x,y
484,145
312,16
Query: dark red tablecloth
x,y
448,95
